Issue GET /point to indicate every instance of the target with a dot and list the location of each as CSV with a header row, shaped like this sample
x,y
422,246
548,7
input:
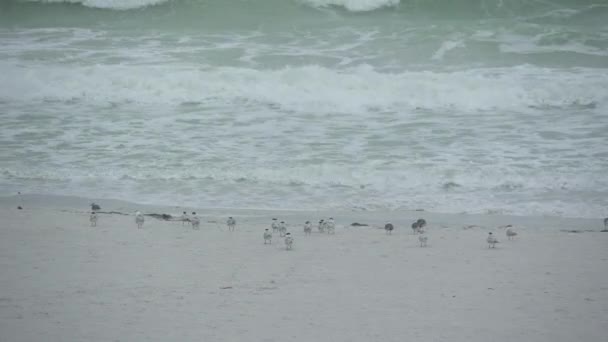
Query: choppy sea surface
x,y
478,106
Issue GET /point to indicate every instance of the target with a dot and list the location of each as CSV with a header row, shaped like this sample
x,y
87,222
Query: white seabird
x,y
139,219
492,241
510,233
423,239
288,241
267,237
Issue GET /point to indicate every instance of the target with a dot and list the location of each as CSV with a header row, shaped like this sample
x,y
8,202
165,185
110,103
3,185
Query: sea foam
x,y
109,4
353,5
312,88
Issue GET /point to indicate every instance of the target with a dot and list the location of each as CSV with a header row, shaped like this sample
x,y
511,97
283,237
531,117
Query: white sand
x,y
62,280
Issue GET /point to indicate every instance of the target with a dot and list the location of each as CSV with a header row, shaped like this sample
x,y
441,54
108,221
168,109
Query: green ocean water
x,y
455,106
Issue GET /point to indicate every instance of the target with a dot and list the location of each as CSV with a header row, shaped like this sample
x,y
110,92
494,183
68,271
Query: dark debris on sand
x,y
164,217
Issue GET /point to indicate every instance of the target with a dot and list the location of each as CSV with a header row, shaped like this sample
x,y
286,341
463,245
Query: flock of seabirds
x,y
324,226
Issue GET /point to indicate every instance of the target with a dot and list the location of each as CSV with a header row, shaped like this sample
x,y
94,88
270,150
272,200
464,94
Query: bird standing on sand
x,y
267,237
282,228
185,218
418,226
307,228
195,220
321,226
606,223
388,228
288,241
274,225
423,239
231,223
492,241
415,227
93,219
330,226
139,219
510,233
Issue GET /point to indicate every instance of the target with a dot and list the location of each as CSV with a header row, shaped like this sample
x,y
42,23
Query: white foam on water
x,y
235,118
313,186
109,4
354,5
350,5
523,44
311,88
447,46
243,154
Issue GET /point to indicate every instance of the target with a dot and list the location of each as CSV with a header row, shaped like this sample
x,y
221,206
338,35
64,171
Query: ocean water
x,y
478,106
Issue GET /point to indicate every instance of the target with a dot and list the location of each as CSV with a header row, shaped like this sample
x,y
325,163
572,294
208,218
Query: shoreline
x,y
376,218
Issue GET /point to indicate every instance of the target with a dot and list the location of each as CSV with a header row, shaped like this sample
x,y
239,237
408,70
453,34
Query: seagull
x,y
307,228
185,218
510,233
139,219
274,225
423,239
93,219
288,241
330,225
195,220
267,237
492,241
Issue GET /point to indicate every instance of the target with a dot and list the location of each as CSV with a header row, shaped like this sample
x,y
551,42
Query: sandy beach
x,y
480,117
63,280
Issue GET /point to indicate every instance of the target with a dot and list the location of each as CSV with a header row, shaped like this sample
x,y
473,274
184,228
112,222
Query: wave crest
x,y
110,4
354,5
560,8
312,88
350,5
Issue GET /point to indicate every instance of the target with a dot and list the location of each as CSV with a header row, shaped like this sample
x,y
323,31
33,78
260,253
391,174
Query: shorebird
x,y
388,228
93,219
421,223
185,218
231,223
307,228
606,223
195,221
139,219
492,241
321,226
330,226
418,225
288,241
423,239
267,237
415,227
282,228
274,225
510,233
